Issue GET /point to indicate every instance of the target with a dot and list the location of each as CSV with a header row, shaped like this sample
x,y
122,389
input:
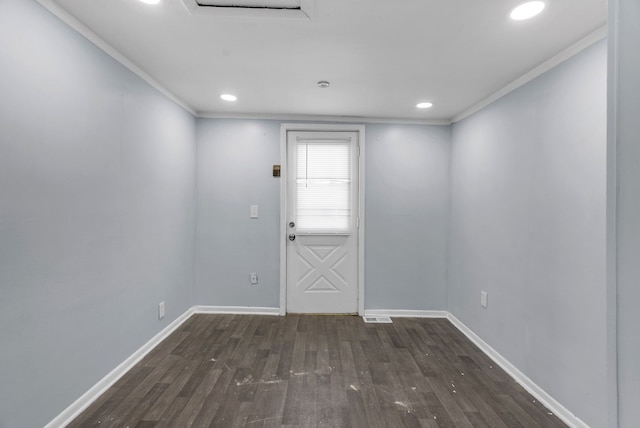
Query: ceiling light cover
x,y
424,105
323,84
150,1
228,97
527,10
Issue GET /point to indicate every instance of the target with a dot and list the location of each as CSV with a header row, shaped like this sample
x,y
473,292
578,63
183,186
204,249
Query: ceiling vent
x,y
252,8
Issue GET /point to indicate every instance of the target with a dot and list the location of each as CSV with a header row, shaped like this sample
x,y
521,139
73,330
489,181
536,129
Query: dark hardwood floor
x,y
316,371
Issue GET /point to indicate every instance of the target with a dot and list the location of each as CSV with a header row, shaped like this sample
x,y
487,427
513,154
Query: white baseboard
x,y
541,395
404,313
105,383
238,310
77,407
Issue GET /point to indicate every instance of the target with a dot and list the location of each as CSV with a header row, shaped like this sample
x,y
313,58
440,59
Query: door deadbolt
x,y
292,224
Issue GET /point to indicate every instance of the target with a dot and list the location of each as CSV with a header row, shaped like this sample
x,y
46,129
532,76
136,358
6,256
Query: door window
x,y
323,187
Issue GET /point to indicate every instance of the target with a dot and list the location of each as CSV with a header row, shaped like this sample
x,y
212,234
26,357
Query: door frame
x,y
284,129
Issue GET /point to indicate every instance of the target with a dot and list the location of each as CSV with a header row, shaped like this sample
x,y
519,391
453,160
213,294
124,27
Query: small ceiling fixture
x,y
150,1
228,97
424,105
527,10
323,84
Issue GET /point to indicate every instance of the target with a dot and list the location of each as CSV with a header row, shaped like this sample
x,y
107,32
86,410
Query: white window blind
x,y
323,188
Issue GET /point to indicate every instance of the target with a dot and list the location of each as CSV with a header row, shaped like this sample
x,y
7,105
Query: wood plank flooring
x,y
316,371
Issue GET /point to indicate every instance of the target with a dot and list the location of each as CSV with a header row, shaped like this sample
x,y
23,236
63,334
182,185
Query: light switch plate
x,y
254,211
484,296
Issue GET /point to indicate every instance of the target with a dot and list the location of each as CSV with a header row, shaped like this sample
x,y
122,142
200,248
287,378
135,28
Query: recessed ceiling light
x,y
527,10
228,97
323,84
150,1
424,105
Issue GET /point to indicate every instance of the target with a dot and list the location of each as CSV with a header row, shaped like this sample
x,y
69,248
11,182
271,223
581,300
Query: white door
x,y
322,222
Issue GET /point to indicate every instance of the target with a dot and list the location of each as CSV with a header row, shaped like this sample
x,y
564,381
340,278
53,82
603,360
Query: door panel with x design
x,y
322,274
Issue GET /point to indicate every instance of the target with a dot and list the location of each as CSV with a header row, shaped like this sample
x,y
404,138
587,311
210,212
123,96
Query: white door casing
x,y
322,221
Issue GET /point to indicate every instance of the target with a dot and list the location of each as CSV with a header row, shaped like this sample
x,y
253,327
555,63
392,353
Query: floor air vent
x,y
377,319
252,8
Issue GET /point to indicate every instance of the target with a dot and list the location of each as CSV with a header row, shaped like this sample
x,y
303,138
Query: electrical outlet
x,y
254,278
160,310
483,298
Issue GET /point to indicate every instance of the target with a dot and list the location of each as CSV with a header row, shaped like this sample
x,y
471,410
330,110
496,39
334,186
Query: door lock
x,y
292,224
292,237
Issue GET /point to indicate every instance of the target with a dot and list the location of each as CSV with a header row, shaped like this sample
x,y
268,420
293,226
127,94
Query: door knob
x,y
292,237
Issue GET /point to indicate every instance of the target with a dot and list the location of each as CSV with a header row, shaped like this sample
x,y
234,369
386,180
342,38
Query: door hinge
x,y
357,222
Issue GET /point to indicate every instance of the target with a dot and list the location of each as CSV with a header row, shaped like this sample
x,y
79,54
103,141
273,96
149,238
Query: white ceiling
x,y
381,57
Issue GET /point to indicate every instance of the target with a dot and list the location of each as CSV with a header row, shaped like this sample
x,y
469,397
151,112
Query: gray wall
x,y
97,214
625,137
98,199
528,227
235,159
406,214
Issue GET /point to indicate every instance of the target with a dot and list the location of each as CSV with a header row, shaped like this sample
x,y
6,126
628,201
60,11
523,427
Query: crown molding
x,y
592,38
78,26
322,118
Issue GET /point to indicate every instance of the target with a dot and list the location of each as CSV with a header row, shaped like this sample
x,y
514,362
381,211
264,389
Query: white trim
x,y
236,310
404,313
613,95
321,118
284,128
541,395
84,31
81,404
552,62
283,219
78,406
377,320
361,216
